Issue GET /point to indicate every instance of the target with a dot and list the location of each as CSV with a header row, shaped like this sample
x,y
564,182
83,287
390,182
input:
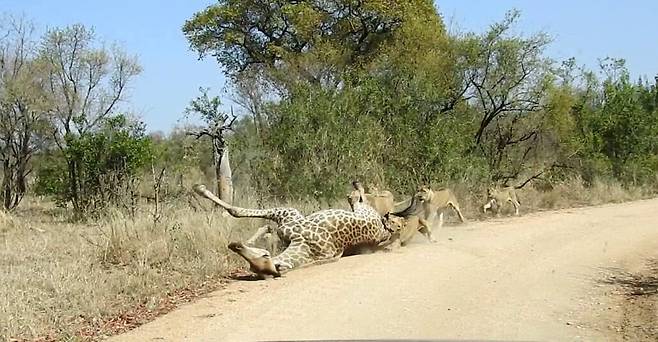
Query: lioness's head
x,y
259,260
372,188
491,192
424,193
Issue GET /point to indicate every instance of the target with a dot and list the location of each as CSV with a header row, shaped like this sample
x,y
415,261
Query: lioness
x,y
433,204
404,229
382,201
499,197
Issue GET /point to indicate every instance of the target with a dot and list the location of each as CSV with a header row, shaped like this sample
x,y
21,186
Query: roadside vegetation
x,y
97,215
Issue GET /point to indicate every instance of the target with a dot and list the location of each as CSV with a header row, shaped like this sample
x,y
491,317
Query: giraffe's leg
x,y
259,232
278,215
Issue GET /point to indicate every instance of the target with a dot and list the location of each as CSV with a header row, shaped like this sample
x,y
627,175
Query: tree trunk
x,y
6,185
73,185
224,175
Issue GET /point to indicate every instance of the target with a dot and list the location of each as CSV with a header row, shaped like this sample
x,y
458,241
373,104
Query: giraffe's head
x,y
259,260
353,198
357,195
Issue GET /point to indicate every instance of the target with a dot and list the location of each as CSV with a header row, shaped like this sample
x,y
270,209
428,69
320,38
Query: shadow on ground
x,y
638,299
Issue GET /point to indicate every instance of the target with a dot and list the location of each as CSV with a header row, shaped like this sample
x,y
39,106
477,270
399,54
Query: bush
x,y
99,168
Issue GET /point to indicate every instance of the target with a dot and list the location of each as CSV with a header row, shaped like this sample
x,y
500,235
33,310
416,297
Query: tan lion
x,y
496,198
404,228
382,201
433,204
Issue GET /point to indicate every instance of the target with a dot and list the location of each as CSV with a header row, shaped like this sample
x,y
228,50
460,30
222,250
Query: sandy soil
x,y
541,276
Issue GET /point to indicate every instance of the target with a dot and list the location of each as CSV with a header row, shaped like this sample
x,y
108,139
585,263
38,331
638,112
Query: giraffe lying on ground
x,y
321,237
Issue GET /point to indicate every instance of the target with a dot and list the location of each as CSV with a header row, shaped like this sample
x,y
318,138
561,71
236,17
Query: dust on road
x,y
534,277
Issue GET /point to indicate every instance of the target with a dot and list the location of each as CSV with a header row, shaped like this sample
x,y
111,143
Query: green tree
x,y
372,92
509,77
628,127
308,154
281,34
23,108
86,82
108,161
342,89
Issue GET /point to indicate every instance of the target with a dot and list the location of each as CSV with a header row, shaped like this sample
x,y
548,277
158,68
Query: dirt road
x,y
535,277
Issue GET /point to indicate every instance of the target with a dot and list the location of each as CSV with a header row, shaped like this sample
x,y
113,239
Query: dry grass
x,y
6,221
59,277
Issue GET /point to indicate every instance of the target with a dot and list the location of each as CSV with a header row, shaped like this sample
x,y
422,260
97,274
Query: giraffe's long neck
x,y
278,215
412,209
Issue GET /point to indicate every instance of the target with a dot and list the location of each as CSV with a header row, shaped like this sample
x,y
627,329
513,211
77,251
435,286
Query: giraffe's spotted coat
x,y
323,235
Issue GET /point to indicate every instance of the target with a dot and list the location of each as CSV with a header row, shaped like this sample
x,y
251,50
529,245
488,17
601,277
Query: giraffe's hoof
x,y
235,246
199,188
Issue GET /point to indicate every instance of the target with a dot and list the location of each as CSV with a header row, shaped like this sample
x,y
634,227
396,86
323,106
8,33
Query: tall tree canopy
x,y
282,34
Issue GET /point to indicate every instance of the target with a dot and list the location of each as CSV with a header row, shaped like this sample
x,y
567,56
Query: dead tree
x,y
218,123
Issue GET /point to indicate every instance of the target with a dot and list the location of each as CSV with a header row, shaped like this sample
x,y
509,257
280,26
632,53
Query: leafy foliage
x,y
24,119
332,90
408,103
257,32
107,161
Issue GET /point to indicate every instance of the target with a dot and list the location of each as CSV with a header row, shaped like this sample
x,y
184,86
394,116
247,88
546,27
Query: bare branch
x,y
201,133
